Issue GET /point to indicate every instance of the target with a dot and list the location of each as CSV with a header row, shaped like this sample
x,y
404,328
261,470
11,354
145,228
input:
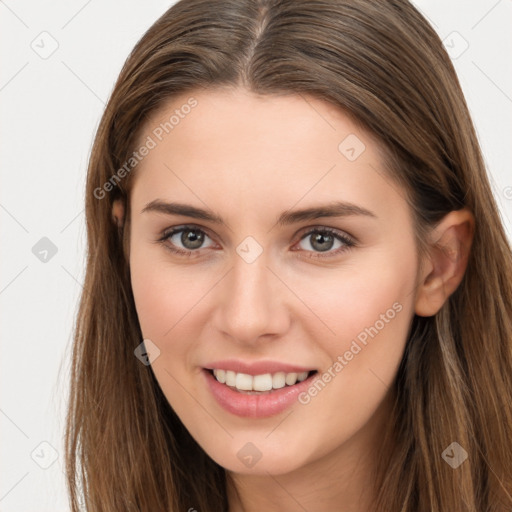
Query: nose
x,y
251,304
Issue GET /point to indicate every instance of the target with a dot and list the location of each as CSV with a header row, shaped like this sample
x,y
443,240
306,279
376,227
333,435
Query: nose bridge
x,y
251,305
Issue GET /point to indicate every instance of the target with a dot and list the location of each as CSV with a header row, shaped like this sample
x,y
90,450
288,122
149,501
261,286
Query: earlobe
x,y
447,261
118,212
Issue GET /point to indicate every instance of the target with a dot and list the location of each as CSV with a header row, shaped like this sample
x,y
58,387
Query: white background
x,y
50,110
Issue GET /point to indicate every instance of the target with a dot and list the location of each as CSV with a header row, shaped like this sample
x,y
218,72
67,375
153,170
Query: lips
x,y
260,389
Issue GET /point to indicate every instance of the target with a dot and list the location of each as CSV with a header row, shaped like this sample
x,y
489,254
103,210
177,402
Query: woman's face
x,y
293,277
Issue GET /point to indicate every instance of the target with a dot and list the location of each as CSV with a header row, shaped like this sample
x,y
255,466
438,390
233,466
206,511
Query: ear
x,y
118,212
446,262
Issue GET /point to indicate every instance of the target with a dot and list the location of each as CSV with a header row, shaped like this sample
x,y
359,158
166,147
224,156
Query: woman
x,y
298,290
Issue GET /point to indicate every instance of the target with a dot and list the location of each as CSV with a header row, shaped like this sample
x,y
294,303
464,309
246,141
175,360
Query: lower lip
x,y
255,406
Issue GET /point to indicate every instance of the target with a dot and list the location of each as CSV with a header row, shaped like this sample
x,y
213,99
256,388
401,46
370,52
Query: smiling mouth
x,y
259,384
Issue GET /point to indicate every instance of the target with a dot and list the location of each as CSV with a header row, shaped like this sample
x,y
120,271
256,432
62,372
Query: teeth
x,y
220,375
264,382
279,380
243,382
302,376
230,378
291,379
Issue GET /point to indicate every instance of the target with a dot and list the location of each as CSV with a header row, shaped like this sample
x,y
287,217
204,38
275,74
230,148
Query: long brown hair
x,y
382,63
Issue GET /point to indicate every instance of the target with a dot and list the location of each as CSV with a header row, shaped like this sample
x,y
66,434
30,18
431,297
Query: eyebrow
x,y
334,209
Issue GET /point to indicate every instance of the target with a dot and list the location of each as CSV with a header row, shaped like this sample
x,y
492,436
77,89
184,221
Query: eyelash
x,y
348,241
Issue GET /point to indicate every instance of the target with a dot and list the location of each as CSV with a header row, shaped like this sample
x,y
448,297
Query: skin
x,y
248,159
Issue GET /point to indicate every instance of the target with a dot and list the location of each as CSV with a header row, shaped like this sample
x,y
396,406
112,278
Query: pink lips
x,y
261,405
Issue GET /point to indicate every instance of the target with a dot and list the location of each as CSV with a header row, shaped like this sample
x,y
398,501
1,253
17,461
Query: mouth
x,y
260,395
261,384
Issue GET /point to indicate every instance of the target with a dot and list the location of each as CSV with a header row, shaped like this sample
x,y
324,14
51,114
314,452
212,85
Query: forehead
x,y
245,120
258,152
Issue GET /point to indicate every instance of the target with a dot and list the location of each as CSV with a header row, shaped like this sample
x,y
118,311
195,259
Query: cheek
x,y
368,311
155,300
168,304
164,296
354,300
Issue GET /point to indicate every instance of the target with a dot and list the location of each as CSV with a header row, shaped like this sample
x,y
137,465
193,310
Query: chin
x,y
261,457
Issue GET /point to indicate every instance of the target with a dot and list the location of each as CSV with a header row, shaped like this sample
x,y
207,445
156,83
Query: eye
x,y
185,239
325,240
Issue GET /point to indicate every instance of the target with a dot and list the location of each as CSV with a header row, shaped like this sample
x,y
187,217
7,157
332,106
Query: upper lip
x,y
257,367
